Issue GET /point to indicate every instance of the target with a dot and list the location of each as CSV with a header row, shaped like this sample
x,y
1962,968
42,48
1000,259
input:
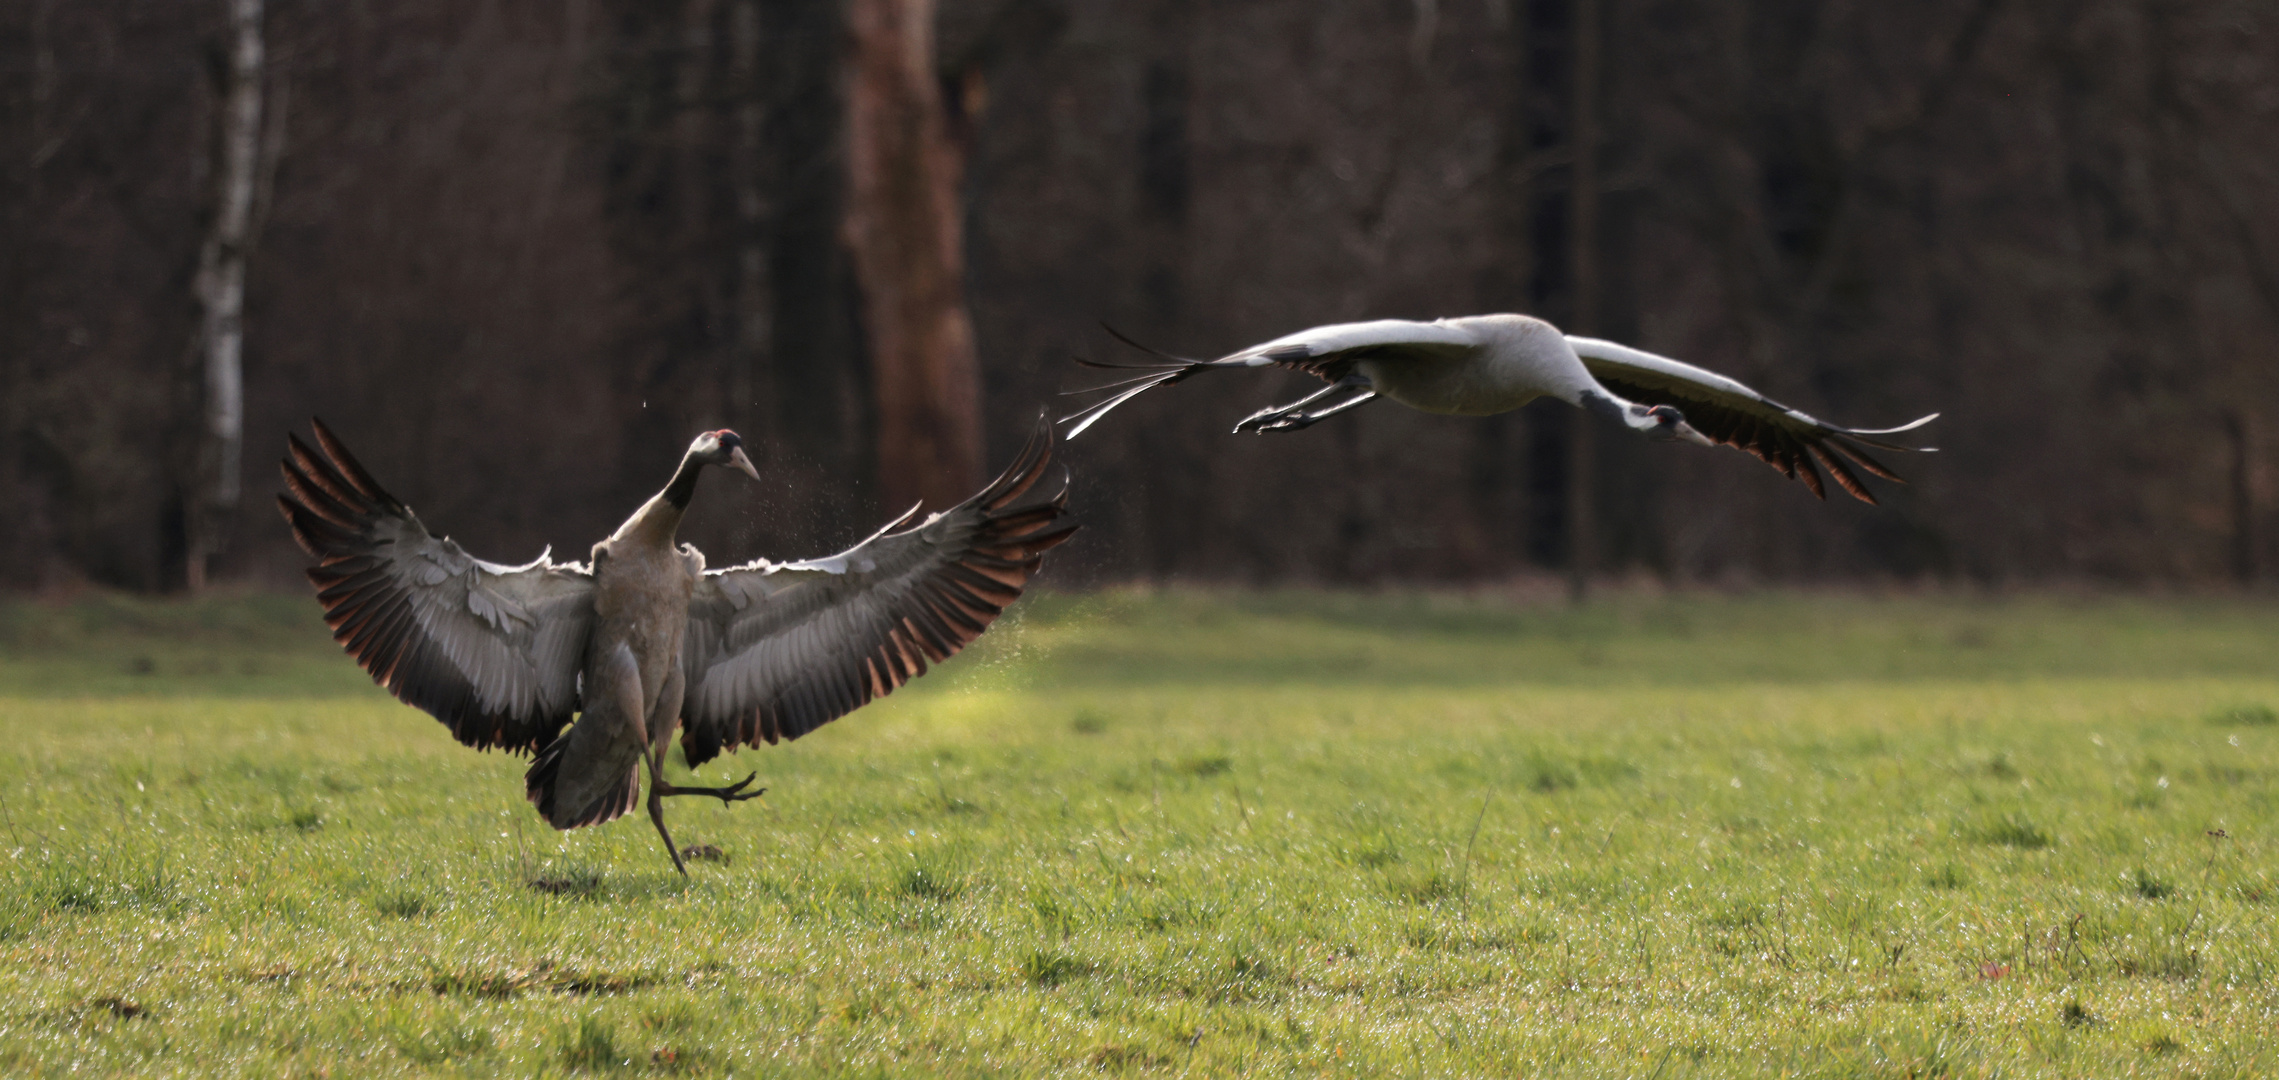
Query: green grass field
x,y
1191,834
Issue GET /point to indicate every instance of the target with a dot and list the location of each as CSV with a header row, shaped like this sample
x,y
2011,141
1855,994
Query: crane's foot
x,y
1275,419
657,814
732,793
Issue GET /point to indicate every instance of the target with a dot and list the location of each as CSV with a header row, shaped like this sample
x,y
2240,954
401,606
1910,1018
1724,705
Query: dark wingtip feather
x,y
1860,456
1149,349
1800,467
350,467
1086,361
1844,476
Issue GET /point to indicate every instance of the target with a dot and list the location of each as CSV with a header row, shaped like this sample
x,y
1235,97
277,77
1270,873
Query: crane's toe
x,y
732,793
1276,419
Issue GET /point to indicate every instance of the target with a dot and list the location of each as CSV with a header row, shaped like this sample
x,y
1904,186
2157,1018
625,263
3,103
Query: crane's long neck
x,y
1527,357
660,517
1550,359
683,486
1598,400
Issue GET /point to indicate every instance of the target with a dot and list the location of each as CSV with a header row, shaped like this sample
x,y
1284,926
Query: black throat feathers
x,y
683,487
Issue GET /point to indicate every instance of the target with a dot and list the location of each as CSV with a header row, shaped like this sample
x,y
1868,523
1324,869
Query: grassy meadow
x,y
1190,834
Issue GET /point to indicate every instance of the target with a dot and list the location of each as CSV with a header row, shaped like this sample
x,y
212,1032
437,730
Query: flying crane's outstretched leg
x,y
1293,416
1293,419
1258,420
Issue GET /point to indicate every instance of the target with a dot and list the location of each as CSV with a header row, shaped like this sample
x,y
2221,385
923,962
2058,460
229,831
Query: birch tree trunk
x,y
904,231
218,480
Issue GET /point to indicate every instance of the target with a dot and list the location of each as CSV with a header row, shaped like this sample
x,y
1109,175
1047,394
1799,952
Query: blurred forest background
x,y
518,252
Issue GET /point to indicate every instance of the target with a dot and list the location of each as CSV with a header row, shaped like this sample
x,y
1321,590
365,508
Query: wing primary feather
x,y
1011,520
1800,466
1091,414
357,625
941,604
960,620
1022,475
1843,475
1107,365
989,587
931,634
979,557
322,473
389,642
913,654
350,468
314,498
896,664
1035,544
1153,372
1864,461
315,535
1151,350
873,677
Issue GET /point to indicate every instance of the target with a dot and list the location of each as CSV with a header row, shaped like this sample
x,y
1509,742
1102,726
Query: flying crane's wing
x,y
1735,415
1325,352
776,650
1329,352
492,651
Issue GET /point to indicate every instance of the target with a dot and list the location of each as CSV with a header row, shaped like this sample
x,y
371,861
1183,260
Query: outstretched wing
x,y
492,651
1735,415
776,650
1325,352
1329,352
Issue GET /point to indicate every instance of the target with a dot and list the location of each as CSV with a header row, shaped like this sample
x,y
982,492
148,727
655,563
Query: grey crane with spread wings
x,y
644,642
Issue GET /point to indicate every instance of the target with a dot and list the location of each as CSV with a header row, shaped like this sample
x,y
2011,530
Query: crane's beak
x,y
744,464
1684,431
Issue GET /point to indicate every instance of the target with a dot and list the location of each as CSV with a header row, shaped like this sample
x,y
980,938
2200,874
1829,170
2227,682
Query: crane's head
x,y
722,447
1663,423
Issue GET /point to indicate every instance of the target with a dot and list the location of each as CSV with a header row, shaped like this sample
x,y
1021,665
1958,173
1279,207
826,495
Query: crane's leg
x,y
1298,421
666,721
1293,416
668,714
657,814
1272,413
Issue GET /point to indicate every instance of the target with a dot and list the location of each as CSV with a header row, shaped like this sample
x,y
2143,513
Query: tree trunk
x,y
2242,497
904,231
753,326
218,480
1582,237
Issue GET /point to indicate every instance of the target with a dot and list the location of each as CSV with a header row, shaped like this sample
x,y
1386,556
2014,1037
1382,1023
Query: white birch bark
x,y
221,292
